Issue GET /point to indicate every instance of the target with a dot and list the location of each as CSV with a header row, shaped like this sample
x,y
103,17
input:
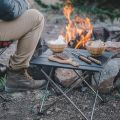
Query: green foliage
x,y
44,95
41,4
2,83
55,7
100,8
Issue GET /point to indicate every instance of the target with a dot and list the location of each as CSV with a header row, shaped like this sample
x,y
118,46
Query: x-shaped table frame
x,y
42,61
73,85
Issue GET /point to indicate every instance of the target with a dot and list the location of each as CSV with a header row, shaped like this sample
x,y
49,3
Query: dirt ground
x,y
23,106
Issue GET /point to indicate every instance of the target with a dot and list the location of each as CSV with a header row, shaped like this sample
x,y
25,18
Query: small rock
x,y
49,112
12,113
83,89
79,115
28,118
38,95
17,95
57,109
85,107
114,105
28,92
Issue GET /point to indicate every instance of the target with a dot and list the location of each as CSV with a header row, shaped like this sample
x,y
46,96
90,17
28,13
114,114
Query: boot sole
x,y
12,90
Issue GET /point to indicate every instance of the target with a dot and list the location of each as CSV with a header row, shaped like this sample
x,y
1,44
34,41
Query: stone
x,y
106,32
12,113
108,75
66,77
49,112
85,107
114,105
38,95
57,109
28,118
17,95
112,46
83,89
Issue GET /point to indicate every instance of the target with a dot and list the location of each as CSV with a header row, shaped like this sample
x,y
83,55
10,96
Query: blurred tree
x,y
100,8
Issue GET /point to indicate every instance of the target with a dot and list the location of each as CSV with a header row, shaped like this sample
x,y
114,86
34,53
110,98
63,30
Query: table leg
x,y
74,83
97,84
89,85
66,91
96,92
94,105
63,94
45,95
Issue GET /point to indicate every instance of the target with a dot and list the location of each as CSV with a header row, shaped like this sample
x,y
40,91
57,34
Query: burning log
x,y
80,30
73,43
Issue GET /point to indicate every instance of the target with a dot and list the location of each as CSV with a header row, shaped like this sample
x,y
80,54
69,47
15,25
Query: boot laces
x,y
27,75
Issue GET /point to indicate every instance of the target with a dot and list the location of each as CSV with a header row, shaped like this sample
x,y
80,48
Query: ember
x,y
77,29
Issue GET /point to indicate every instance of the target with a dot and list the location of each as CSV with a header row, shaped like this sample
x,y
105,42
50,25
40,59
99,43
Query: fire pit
x,y
78,30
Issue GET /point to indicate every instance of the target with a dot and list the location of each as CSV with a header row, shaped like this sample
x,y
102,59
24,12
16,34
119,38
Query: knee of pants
x,y
38,16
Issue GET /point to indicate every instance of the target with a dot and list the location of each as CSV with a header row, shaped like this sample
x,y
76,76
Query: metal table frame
x,y
64,92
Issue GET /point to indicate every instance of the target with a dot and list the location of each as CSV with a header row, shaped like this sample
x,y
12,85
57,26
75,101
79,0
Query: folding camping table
x,y
43,61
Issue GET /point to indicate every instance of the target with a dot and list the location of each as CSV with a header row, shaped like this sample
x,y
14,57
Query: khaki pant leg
x,y
27,29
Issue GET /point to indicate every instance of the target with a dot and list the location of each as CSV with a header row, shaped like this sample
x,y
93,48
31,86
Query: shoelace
x,y
27,75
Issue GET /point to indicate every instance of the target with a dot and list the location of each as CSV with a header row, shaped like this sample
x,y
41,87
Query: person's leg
x,y
27,30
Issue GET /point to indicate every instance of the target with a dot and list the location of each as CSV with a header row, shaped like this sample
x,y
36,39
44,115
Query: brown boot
x,y
19,80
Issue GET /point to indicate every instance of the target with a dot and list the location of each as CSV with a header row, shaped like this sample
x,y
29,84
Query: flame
x,y
77,26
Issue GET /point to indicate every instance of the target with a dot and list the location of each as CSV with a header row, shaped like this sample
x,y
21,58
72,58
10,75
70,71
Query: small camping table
x,y
42,61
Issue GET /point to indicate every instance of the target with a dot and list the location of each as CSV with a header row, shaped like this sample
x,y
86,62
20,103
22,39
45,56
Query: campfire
x,y
78,30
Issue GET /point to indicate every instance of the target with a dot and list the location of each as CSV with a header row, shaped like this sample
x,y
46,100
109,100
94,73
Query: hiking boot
x,y
20,80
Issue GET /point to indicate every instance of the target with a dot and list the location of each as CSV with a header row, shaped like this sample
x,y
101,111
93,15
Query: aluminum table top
x,y
42,60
